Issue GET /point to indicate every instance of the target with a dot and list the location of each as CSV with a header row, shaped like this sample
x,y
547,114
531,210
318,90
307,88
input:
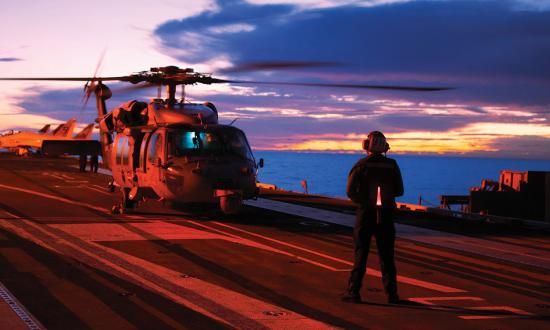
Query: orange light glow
x,y
471,138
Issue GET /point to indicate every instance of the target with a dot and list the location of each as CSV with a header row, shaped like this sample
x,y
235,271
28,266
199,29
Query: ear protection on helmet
x,y
376,143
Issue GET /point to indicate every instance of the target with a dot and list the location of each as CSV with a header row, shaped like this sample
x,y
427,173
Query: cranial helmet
x,y
376,143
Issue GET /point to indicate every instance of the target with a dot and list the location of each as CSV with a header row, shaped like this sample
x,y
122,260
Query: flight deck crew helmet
x,y
376,143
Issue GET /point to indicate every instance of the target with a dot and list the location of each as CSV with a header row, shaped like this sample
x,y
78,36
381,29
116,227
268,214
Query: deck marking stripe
x,y
487,264
486,317
370,271
102,263
502,251
97,190
56,176
516,312
57,198
270,248
18,309
496,273
221,303
428,300
100,170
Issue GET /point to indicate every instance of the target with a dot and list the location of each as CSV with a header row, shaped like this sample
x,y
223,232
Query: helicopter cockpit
x,y
221,140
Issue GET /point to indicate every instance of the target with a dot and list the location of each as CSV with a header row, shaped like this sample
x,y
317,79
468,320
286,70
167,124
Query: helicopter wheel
x,y
116,209
231,204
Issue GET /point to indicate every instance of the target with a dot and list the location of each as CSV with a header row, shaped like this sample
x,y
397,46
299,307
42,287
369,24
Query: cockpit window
x,y
199,142
183,143
236,143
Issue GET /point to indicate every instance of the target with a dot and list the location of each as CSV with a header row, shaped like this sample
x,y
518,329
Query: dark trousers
x,y
94,164
365,227
82,162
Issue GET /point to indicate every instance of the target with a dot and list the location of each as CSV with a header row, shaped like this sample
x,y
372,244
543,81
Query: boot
x,y
351,296
393,298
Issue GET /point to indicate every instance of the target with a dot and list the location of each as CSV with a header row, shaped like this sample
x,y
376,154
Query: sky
x,y
496,55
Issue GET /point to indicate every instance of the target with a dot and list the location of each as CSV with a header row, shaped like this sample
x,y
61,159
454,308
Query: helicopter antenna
x,y
233,121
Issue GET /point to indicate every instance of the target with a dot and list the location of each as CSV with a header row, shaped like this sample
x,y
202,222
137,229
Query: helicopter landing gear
x,y
111,185
128,201
116,209
231,204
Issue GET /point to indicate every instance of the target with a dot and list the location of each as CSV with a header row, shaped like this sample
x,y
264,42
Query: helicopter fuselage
x,y
181,155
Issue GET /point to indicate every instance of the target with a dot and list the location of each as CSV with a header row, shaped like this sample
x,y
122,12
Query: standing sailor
x,y
373,184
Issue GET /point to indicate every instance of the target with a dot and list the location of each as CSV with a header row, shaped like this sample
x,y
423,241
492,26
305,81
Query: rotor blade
x,y
122,78
255,66
367,86
88,90
90,86
100,62
131,88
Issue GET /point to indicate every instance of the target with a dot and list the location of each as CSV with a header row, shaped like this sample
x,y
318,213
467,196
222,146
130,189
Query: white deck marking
x,y
57,198
53,175
30,321
269,248
370,271
233,308
499,250
101,191
516,312
495,273
428,300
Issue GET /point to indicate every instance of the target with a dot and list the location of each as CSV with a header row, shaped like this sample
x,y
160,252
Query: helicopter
x,y
172,150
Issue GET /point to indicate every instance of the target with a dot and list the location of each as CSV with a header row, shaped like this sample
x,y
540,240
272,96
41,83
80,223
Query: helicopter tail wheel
x,y
231,204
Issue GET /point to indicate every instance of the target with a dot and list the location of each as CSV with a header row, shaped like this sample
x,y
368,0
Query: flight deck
x,y
66,262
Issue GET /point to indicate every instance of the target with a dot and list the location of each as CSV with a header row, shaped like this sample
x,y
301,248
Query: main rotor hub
x,y
170,76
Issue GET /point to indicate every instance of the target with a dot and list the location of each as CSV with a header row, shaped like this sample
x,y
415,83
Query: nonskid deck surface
x,y
69,263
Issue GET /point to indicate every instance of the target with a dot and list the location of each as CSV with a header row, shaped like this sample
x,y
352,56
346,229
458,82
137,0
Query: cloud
x,y
488,49
314,4
488,140
532,4
10,59
231,28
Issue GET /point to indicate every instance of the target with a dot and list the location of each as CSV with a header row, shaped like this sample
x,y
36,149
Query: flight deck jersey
x,y
372,172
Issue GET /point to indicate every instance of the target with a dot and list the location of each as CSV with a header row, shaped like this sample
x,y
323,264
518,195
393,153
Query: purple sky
x,y
496,54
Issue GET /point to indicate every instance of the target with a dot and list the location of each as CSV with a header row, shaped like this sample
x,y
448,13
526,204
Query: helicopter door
x,y
155,158
122,171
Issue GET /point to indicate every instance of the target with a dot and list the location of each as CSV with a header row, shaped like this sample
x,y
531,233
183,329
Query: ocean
x,y
427,176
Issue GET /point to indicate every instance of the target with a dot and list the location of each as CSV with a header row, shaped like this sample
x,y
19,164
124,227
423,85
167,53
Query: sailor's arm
x,y
354,180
